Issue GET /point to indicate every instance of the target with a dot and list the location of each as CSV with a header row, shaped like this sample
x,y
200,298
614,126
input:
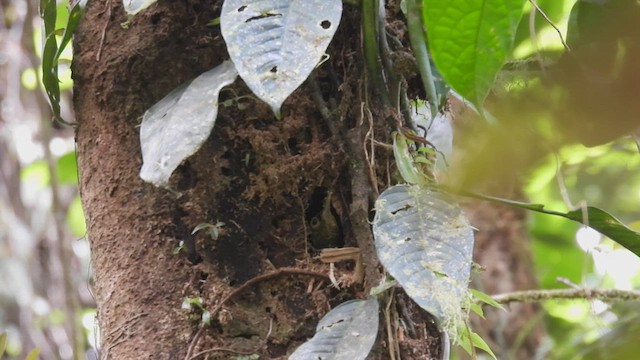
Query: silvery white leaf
x,y
175,127
275,44
133,7
425,242
347,332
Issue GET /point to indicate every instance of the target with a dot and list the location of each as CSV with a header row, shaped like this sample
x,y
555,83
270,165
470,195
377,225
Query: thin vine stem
x,y
419,45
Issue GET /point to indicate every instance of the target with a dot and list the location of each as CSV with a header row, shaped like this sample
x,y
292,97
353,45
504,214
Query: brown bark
x,y
263,178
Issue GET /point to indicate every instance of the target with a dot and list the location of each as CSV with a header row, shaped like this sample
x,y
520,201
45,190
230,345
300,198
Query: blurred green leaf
x,y
33,355
75,218
470,40
36,173
68,169
3,343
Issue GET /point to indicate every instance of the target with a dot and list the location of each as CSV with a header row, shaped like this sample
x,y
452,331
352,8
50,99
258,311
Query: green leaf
x,y
3,343
477,309
68,168
74,18
591,216
608,225
486,299
33,355
470,40
48,12
478,342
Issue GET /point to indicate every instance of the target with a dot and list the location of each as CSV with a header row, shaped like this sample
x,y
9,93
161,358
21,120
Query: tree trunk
x,y
258,182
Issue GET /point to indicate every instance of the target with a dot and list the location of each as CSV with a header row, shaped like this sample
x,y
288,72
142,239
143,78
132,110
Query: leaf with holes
x,y
175,127
425,242
345,333
275,44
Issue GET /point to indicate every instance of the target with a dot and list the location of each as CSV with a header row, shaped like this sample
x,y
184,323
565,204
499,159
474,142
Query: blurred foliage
x,y
44,262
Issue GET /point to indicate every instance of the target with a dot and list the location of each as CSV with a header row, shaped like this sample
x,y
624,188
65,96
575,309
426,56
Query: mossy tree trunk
x,y
265,179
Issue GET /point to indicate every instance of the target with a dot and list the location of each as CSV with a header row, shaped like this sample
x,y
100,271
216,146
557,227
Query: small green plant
x,y
193,304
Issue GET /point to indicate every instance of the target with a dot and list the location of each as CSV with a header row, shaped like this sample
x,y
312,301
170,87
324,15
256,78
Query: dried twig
x,y
241,288
564,43
235,351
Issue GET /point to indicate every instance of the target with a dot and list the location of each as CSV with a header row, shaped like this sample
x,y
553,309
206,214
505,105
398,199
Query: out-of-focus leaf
x,y
133,7
36,174
33,354
3,343
345,333
68,169
425,242
275,44
75,218
175,127
470,40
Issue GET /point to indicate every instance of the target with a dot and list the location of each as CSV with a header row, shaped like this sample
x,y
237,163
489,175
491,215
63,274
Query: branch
x,y
607,295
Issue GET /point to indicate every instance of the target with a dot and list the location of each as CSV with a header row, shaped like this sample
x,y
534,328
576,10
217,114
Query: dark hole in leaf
x,y
334,324
261,16
274,69
404,208
325,24
242,8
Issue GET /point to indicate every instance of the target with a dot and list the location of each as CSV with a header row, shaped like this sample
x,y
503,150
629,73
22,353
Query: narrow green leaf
x,y
486,299
477,309
3,343
404,162
33,354
591,216
608,225
470,40
48,12
478,342
74,18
